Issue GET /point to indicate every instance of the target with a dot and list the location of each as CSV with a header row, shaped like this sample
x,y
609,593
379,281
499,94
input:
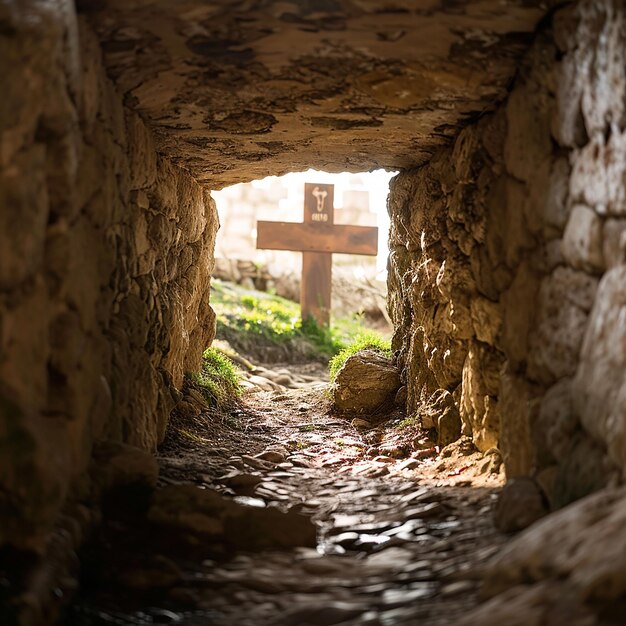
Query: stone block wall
x,y
106,250
507,275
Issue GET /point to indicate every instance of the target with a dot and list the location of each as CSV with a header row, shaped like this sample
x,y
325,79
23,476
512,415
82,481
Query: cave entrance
x,y
293,490
272,278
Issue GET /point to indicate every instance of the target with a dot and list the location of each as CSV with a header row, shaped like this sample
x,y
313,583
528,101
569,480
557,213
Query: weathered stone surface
x,y
117,465
515,222
614,242
518,406
599,389
563,303
448,420
587,557
204,513
499,233
532,605
556,422
520,504
582,240
233,88
479,406
366,383
105,257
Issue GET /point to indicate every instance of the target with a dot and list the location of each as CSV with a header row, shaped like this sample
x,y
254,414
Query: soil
x,y
403,528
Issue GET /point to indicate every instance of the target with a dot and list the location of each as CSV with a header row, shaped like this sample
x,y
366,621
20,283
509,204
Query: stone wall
x,y
106,250
507,274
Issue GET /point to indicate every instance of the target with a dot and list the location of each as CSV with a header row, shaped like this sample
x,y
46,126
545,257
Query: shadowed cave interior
x,y
483,482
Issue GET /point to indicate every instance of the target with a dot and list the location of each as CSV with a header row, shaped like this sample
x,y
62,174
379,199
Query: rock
x,y
241,481
259,529
357,422
263,383
315,615
486,319
462,447
599,389
517,401
493,462
448,420
401,396
564,300
255,462
118,466
271,456
208,514
556,422
163,616
425,511
582,241
520,504
409,464
586,558
367,383
530,605
479,405
190,509
614,242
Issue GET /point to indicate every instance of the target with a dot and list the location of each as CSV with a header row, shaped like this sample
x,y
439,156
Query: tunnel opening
x,y
270,474
505,292
339,295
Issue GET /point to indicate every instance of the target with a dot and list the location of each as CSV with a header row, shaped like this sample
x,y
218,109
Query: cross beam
x,y
312,237
317,238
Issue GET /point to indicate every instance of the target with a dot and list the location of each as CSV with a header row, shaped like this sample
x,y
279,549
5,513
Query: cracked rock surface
x,y
236,90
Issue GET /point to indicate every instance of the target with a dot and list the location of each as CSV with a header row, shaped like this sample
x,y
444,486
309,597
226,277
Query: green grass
x,y
218,380
270,328
363,340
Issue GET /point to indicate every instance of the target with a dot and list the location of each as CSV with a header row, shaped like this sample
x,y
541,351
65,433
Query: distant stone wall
x,y
507,278
106,250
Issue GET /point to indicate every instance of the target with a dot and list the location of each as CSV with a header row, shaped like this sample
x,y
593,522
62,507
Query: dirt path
x,y
399,540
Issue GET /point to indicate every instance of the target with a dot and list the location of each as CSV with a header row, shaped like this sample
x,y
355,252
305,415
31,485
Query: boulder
x,y
196,515
367,383
582,545
118,466
521,503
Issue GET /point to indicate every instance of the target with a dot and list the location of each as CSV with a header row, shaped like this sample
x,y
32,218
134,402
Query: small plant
x,y
408,422
364,340
261,322
218,380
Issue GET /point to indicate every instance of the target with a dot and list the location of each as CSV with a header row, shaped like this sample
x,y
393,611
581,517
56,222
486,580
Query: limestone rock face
x,y
506,274
236,91
106,250
520,504
199,515
599,388
564,568
367,383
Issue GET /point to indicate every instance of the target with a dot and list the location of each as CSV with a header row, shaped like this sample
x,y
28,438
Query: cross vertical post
x,y
317,237
316,283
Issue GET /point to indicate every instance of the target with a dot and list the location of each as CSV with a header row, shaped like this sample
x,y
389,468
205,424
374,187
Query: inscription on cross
x,y
317,238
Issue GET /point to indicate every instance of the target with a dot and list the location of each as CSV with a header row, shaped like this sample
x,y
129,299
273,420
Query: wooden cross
x,y
317,238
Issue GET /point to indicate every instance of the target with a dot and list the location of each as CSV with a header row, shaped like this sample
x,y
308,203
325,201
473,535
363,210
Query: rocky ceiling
x,y
240,89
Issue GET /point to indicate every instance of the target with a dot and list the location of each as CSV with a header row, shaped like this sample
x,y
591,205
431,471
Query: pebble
x,y
401,597
326,615
388,550
238,481
409,464
455,588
